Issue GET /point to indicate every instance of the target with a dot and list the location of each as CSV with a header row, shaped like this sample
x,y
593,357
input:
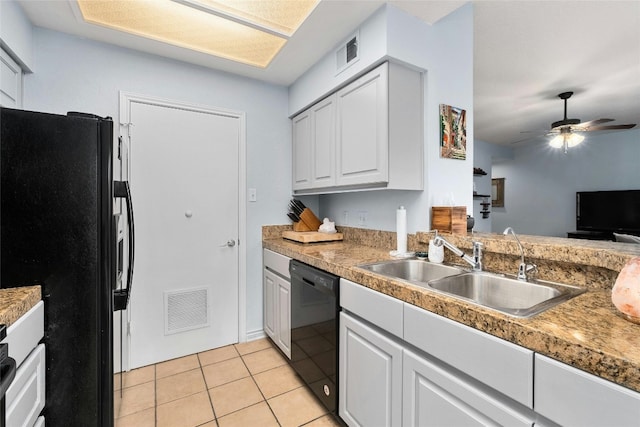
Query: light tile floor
x,y
247,384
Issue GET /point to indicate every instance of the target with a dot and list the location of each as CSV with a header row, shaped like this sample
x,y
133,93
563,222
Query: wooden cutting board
x,y
311,236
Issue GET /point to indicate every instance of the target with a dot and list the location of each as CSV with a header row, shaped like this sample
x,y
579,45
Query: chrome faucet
x,y
475,261
523,268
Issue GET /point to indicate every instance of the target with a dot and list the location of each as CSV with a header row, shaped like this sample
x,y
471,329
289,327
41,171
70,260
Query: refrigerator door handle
x,y
121,296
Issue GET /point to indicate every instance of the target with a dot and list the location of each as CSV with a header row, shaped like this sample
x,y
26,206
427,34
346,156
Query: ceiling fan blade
x,y
592,123
608,127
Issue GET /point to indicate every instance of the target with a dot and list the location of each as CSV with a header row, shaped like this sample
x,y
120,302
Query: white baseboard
x,y
255,335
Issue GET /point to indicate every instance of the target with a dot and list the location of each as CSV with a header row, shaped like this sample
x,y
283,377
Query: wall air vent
x,y
348,53
186,309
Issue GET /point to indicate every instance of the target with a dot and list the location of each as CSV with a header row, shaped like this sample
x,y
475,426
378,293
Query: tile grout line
x,y
206,387
201,368
258,387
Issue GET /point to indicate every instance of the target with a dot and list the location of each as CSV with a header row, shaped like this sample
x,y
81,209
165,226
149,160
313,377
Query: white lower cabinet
x,y
277,300
411,367
501,365
571,397
434,396
371,375
25,397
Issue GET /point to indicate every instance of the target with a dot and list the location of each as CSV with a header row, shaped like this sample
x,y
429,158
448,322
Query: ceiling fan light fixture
x,y
574,139
557,141
566,139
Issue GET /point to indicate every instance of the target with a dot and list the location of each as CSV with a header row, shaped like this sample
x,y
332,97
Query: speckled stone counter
x,y
585,332
14,302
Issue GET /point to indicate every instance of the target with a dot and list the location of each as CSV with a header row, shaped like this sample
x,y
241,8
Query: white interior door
x,y
184,183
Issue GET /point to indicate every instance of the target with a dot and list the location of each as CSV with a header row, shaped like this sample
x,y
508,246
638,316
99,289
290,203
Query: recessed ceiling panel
x,y
284,16
183,26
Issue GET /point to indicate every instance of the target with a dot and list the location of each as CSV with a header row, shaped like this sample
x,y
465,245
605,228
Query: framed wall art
x,y
453,132
497,192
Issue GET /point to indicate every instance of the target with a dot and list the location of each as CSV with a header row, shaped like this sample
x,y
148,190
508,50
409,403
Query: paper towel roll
x,y
401,230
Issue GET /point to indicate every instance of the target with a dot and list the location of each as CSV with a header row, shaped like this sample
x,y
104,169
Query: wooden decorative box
x,y
452,219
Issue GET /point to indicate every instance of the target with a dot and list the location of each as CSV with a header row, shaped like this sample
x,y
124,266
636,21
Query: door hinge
x,y
128,328
128,126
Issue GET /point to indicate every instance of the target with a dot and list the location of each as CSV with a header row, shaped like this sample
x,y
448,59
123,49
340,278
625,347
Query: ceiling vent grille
x,y
348,53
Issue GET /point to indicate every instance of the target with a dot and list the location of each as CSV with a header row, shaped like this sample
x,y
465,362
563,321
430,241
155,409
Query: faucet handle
x,y
524,269
531,268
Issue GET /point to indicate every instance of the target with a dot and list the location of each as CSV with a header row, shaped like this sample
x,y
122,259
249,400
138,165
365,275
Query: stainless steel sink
x,y
510,296
412,270
507,295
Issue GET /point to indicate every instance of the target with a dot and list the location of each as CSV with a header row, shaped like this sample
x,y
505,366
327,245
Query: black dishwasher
x,y
314,330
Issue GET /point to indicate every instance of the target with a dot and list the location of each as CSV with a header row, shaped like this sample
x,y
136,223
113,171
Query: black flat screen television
x,y
610,211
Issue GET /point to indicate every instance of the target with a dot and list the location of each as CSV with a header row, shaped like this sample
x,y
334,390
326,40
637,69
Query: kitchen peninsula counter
x,y
585,332
15,302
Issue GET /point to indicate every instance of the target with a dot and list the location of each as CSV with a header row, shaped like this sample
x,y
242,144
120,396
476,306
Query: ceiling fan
x,y
567,132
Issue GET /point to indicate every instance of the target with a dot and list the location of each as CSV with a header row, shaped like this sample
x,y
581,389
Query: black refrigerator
x,y
58,229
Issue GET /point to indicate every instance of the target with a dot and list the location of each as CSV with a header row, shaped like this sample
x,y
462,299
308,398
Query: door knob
x,y
230,243
188,214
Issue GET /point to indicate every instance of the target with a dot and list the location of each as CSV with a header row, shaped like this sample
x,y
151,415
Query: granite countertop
x,y
585,332
14,302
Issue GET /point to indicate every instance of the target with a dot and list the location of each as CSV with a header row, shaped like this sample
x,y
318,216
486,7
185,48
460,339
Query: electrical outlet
x,y
362,218
345,217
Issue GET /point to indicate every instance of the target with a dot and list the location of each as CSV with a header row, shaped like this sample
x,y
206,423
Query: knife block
x,y
308,221
300,226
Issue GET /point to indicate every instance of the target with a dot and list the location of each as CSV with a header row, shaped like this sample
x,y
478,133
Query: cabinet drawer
x,y
25,334
26,395
504,366
276,263
380,309
569,396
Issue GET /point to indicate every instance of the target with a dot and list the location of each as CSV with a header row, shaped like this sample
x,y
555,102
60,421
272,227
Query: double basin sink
x,y
510,296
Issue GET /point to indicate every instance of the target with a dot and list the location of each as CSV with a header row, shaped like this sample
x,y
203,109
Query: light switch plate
x,y
253,195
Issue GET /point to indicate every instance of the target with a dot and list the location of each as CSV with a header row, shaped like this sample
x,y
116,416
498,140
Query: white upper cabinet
x,y
323,154
10,81
302,142
363,129
368,134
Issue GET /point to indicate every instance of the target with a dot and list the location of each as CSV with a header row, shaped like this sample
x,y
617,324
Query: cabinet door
x,y
283,313
302,149
434,396
569,396
269,284
25,398
363,130
323,156
370,376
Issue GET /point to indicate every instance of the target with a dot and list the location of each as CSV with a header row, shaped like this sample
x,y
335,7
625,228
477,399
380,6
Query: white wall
x,y
484,155
541,182
81,75
322,79
15,34
445,51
